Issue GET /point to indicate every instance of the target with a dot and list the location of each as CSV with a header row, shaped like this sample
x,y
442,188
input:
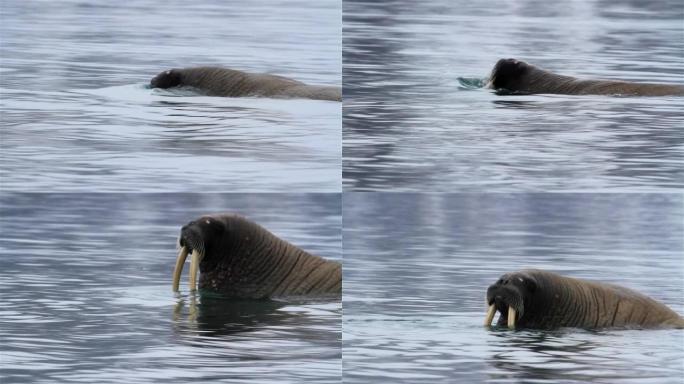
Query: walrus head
x,y
508,296
506,73
166,79
200,238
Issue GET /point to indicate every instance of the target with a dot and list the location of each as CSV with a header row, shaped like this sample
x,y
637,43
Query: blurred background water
x,y
77,116
86,293
417,266
410,125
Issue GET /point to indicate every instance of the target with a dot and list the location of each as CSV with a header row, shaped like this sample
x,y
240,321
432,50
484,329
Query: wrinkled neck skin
x,y
537,80
562,302
216,81
553,305
256,264
316,92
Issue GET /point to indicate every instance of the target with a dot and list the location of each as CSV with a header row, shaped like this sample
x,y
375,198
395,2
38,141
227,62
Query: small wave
x,y
471,82
178,91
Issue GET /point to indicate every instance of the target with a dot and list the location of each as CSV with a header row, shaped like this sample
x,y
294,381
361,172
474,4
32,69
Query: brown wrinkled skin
x,y
216,81
548,300
244,260
520,77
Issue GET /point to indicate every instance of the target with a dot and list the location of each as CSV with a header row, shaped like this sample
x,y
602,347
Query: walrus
x,y
545,300
515,76
238,258
217,81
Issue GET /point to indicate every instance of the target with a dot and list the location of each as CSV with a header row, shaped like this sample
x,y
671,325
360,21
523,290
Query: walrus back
x,y
598,87
315,92
603,305
216,81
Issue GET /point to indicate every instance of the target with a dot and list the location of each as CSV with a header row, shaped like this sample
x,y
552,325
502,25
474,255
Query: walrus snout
x,y
192,236
505,301
191,241
507,297
166,79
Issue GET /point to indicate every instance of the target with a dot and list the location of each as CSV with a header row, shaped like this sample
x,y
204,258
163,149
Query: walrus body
x,y
216,81
510,75
546,300
240,259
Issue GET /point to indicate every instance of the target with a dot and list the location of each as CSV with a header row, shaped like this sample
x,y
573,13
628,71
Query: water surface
x,y
411,125
417,266
86,288
78,117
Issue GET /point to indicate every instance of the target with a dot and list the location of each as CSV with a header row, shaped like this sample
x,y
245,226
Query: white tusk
x,y
194,268
180,260
511,317
490,315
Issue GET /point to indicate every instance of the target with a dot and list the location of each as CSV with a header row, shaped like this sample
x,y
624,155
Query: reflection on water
x,y
410,124
78,116
216,316
86,283
417,266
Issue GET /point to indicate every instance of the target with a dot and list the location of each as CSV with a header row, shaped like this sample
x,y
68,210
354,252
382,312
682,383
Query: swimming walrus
x,y
240,259
545,300
514,76
217,81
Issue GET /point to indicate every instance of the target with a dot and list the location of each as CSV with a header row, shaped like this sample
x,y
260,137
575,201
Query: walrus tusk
x,y
511,317
180,260
194,267
490,315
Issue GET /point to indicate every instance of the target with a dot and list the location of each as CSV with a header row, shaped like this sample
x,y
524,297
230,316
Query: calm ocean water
x,y
78,117
410,125
86,288
98,173
417,266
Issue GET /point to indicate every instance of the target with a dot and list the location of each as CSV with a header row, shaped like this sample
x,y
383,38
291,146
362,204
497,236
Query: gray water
x,y
86,293
411,125
417,266
77,116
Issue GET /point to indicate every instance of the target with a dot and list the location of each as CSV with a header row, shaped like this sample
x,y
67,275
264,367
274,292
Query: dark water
x,y
416,269
86,293
410,125
76,115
